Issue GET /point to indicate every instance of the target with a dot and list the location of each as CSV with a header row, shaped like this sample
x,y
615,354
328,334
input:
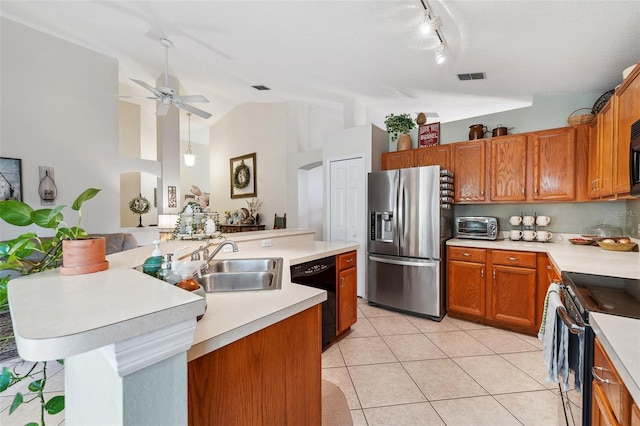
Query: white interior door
x,y
347,198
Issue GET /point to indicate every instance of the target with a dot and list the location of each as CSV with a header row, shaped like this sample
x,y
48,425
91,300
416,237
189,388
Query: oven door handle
x,y
566,319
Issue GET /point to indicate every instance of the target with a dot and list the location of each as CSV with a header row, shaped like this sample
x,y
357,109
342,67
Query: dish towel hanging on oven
x,y
553,345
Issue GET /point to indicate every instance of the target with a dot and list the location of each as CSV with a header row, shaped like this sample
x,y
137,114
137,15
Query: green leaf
x,y
5,379
48,218
32,424
55,404
86,195
15,212
4,304
16,402
35,386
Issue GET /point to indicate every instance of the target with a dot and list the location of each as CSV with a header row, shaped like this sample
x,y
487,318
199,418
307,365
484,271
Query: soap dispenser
x,y
165,268
152,265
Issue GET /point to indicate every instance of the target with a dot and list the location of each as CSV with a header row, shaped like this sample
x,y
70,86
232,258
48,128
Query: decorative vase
x,y
84,256
404,142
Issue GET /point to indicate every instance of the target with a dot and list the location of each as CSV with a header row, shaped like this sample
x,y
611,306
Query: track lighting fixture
x,y
440,58
430,25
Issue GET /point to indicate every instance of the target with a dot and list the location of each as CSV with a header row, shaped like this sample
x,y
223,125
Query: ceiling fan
x,y
166,95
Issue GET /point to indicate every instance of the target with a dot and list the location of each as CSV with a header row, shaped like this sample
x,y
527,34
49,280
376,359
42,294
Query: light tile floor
x,y
399,369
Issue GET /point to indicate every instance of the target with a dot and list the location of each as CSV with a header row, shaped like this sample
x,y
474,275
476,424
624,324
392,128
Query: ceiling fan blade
x,y
148,87
191,98
132,97
193,110
163,109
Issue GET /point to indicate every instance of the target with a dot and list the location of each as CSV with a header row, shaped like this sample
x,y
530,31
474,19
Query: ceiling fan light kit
x,y
168,96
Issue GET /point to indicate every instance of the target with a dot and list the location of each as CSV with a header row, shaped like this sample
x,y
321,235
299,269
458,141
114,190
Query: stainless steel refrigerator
x,y
410,219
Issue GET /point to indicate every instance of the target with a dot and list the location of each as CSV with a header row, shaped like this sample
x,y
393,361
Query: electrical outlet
x,y
266,243
227,249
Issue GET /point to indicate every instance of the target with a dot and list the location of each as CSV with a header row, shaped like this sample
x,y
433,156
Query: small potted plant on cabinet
x,y
399,126
29,254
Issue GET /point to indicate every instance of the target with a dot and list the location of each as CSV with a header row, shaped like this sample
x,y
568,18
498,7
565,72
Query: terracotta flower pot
x,y
84,256
404,142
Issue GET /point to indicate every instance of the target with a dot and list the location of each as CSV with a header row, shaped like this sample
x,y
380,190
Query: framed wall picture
x,y
173,200
243,176
10,178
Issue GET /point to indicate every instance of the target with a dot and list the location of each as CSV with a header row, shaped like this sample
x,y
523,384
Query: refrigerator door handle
x,y
401,262
400,207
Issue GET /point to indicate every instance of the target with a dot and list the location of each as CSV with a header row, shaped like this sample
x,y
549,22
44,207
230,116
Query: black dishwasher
x,y
321,273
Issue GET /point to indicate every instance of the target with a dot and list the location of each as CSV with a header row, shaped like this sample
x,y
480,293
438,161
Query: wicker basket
x,y
574,120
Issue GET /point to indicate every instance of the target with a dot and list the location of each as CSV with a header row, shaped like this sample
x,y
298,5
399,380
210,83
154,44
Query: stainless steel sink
x,y
242,275
239,281
244,265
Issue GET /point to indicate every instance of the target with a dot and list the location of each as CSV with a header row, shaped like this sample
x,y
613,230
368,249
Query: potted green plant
x,y
399,126
29,254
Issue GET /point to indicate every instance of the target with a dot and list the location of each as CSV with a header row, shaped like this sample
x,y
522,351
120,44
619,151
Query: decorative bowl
x,y
581,241
617,246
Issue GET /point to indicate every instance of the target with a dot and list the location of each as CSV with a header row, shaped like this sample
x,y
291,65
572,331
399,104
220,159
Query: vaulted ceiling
x,y
366,54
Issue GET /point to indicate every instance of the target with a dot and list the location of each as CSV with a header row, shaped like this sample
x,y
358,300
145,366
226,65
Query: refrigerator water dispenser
x,y
382,226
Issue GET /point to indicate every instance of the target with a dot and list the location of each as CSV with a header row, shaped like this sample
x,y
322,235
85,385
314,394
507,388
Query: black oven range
x,y
585,293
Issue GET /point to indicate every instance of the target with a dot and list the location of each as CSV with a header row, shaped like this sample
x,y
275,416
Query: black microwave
x,y
634,160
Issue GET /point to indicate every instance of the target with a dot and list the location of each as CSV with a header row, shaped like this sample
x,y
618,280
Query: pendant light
x,y
189,156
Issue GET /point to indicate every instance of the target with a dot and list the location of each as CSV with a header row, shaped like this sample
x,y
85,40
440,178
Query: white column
x,y
140,381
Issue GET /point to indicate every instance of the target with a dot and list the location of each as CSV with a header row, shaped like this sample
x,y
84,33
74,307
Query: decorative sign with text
x,y
429,134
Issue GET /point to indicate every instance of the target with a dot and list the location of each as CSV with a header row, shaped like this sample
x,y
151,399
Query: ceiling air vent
x,y
472,76
261,87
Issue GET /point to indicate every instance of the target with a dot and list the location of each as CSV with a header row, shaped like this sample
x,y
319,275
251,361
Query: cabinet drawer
x,y
467,254
346,260
605,374
513,258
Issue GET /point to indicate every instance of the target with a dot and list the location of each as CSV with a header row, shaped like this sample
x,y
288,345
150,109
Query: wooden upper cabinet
x,y
593,172
604,156
469,163
397,160
508,168
627,112
553,164
439,155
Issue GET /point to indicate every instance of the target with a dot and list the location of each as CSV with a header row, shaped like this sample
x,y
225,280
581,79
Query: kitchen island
x,y
118,322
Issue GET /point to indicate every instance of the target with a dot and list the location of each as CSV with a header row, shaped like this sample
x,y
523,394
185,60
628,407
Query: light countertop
x,y
619,335
569,257
58,316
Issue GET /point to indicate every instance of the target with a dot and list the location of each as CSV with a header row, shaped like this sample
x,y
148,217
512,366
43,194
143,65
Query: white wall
x,y
249,128
546,112
56,111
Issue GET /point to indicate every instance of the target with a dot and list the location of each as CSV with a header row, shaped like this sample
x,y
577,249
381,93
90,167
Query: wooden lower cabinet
x,y
635,415
512,288
611,401
271,377
502,288
466,281
346,292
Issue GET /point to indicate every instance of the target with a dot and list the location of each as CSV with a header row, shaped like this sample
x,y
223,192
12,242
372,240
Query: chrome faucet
x,y
217,249
204,249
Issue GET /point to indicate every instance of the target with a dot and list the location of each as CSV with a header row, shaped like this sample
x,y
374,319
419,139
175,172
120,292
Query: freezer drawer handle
x,y
401,263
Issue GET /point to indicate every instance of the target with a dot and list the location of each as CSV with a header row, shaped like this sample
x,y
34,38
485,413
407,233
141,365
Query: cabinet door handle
x,y
342,282
535,190
548,267
522,190
482,192
466,254
513,259
598,378
482,273
349,260
494,274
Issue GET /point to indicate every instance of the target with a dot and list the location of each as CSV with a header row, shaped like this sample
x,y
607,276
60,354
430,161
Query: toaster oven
x,y
477,227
